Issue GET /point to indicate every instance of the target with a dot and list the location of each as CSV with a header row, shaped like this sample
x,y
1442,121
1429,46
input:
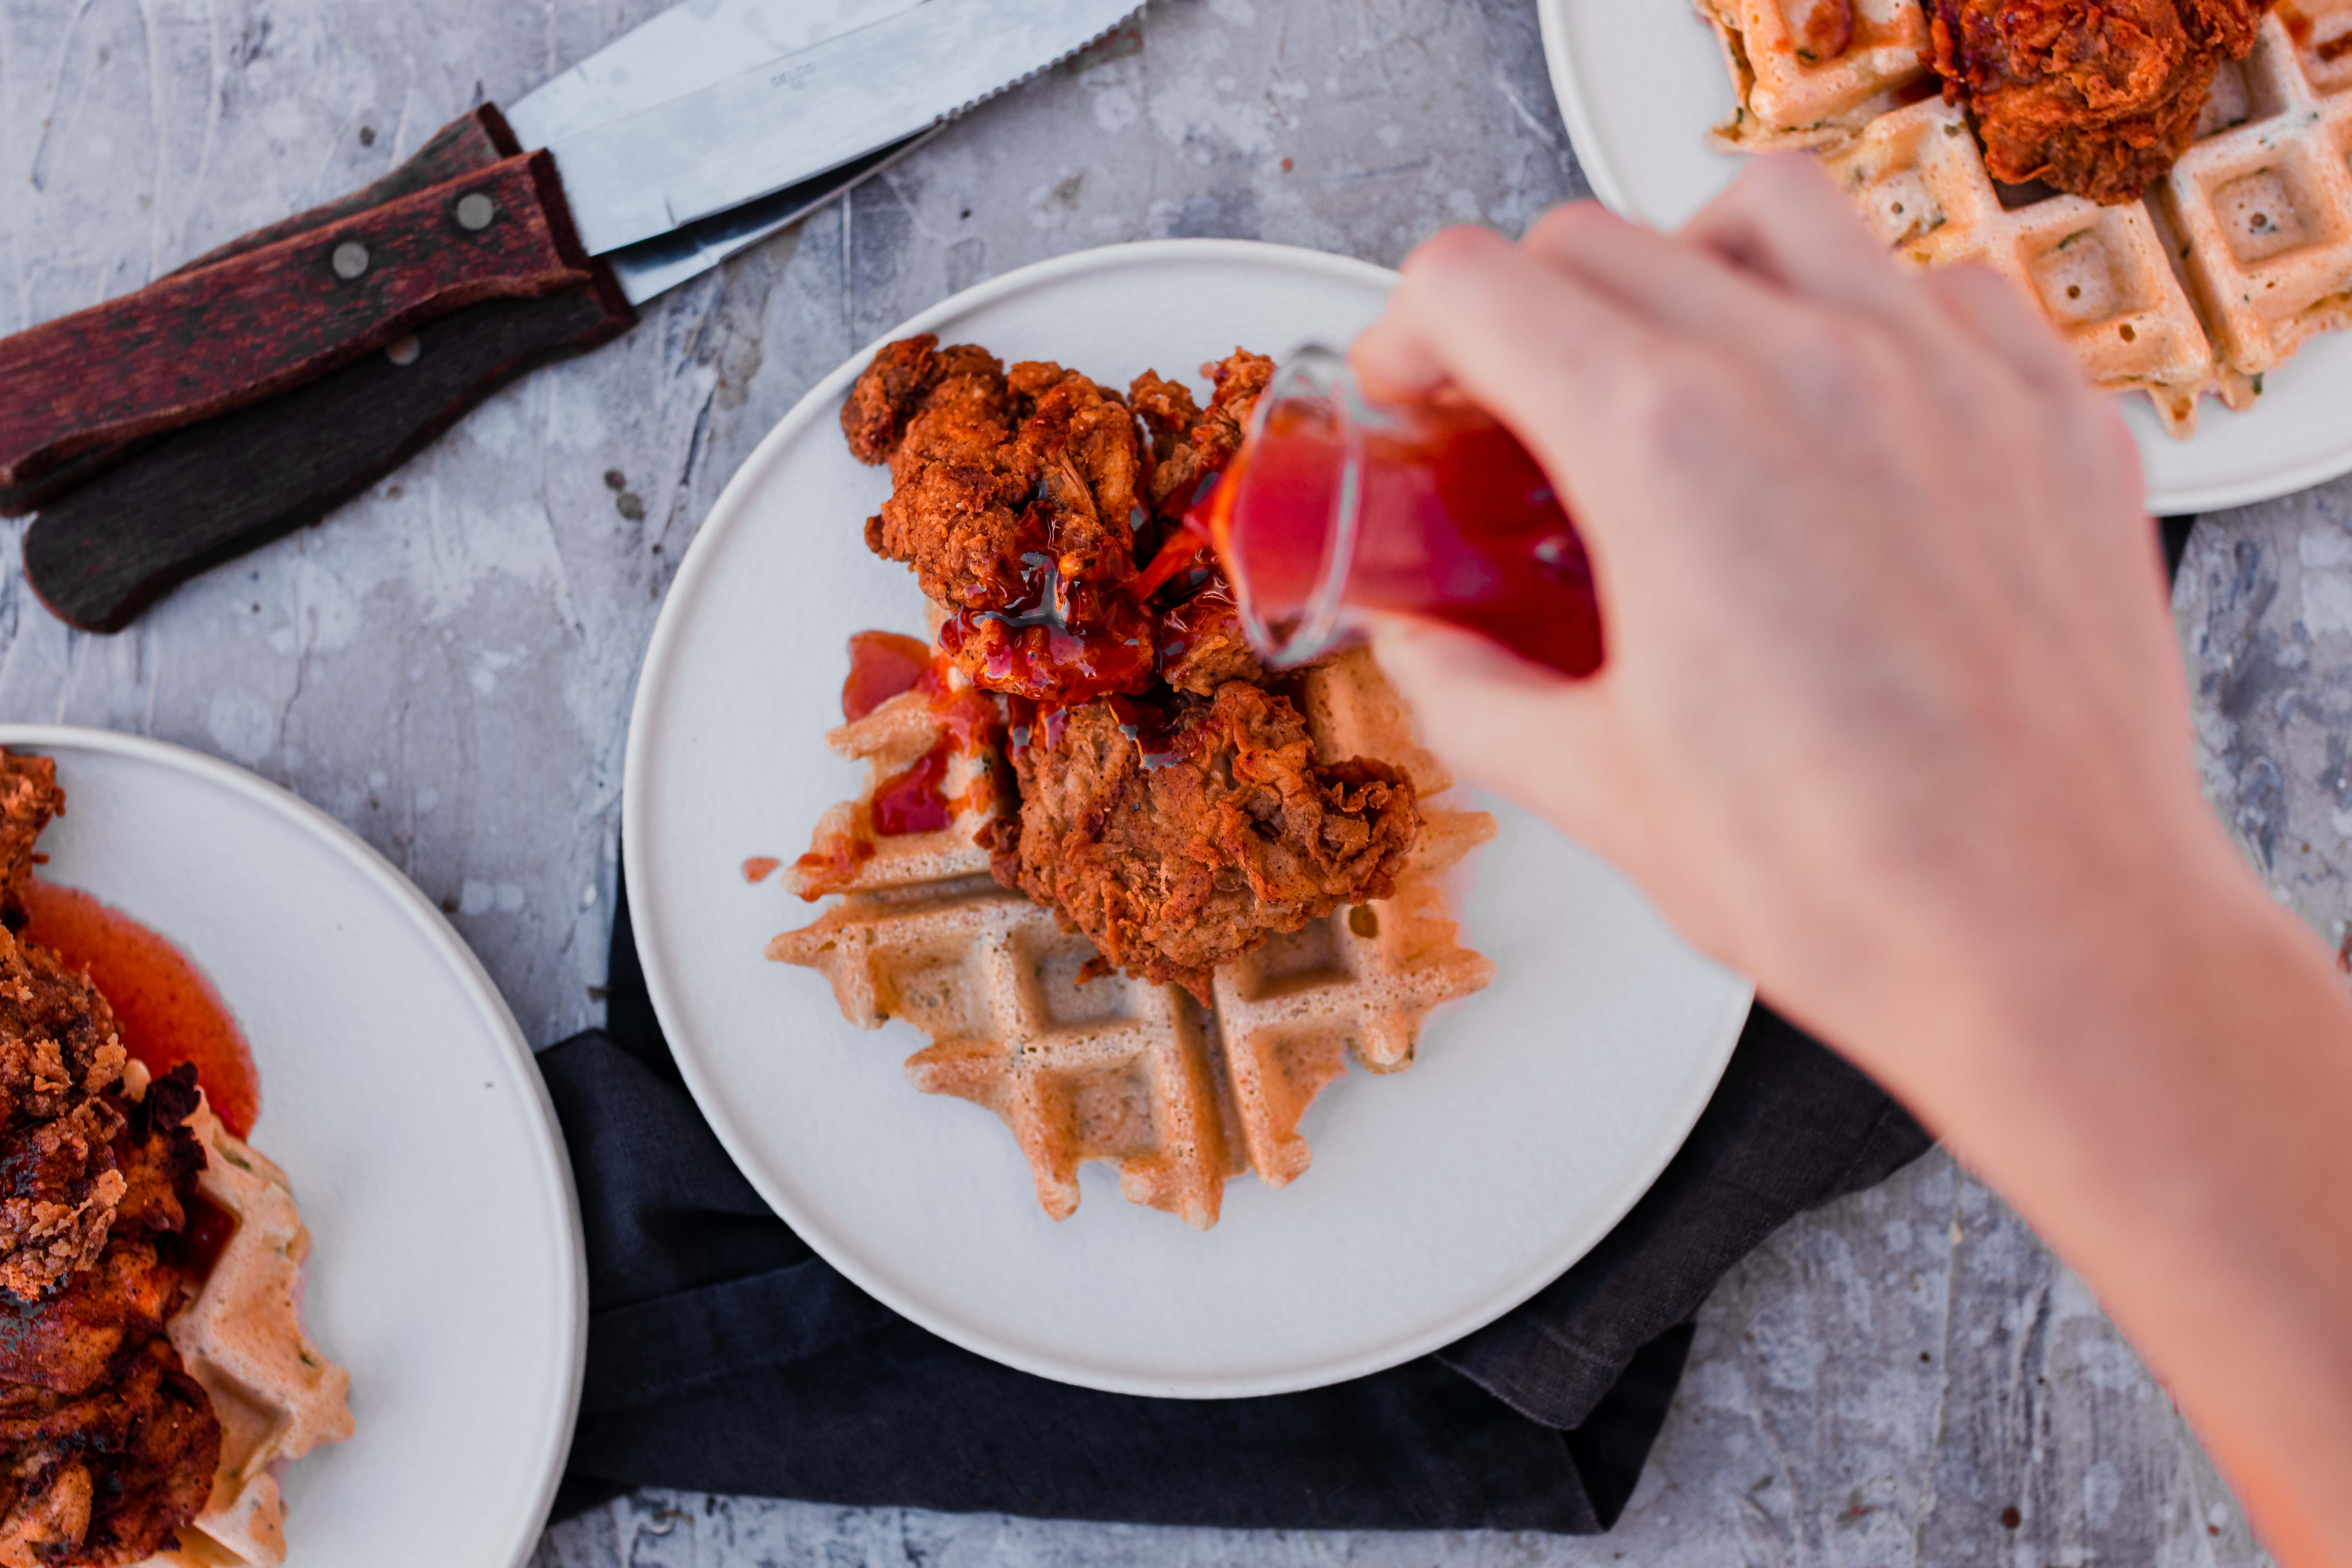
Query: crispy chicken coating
x,y
29,797
1188,442
2095,96
1178,839
67,1344
1203,646
60,1056
1011,493
104,1478
943,420
107,1445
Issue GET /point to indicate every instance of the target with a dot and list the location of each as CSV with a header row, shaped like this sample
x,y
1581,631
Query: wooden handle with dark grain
x,y
471,142
195,497
262,319
145,515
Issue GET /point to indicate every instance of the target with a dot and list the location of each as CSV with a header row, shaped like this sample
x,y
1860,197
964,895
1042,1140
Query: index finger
x,y
1534,345
1785,220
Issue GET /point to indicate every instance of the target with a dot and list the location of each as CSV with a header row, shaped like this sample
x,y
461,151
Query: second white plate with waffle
x,y
1640,85
1437,1198
400,1099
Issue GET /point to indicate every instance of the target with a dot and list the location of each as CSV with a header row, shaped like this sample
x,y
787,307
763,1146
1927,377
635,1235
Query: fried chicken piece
x,y
59,1054
29,797
73,1335
1044,658
104,1478
1014,494
959,506
1203,646
2095,96
1014,498
158,1157
1167,409
1073,632
1189,443
900,384
107,1445
72,1342
1177,839
74,1154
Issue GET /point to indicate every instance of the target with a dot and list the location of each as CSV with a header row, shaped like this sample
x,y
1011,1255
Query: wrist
x,y
2011,969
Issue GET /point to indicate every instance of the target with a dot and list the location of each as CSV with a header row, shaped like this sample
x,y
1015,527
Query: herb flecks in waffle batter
x,y
1812,73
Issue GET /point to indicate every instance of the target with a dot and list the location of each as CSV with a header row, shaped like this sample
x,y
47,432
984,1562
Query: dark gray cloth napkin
x,y
725,1356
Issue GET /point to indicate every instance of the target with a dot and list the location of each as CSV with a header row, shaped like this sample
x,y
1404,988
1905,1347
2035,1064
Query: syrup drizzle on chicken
x,y
1173,807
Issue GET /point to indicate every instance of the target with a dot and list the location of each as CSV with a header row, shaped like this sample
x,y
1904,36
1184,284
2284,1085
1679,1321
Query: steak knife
x,y
254,389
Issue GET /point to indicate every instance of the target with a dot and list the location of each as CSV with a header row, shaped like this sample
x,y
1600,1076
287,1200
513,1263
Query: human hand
x,y
1893,719
1890,675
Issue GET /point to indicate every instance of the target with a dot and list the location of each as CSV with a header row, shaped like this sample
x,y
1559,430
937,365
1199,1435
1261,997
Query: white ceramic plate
x,y
1536,1114
400,1099
1640,81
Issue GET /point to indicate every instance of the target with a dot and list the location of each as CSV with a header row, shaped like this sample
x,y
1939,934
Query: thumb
x,y
1535,737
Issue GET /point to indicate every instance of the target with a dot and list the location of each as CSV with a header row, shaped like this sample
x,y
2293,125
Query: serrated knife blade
x,y
793,117
710,126
690,45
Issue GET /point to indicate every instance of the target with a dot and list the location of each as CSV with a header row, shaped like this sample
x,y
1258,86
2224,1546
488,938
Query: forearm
x,y
1890,720
2166,1093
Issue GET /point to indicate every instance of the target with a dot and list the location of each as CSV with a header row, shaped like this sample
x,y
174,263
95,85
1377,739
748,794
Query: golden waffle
x,y
1175,1096
2242,253
1788,97
2099,273
276,1396
888,740
2261,205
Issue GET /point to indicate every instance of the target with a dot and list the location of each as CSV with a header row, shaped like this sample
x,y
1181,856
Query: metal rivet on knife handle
x,y
403,350
474,210
361,272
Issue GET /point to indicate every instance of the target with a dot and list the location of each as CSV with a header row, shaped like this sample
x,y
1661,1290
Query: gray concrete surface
x,y
1906,1377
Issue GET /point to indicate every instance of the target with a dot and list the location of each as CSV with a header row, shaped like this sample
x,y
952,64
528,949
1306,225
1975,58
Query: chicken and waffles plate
x,y
2264,211
1538,1109
399,1103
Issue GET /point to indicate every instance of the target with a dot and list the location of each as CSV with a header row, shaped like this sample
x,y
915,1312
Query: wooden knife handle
x,y
195,497
474,141
154,512
471,142
263,319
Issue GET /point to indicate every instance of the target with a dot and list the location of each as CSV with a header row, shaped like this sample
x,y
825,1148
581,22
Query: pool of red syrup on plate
x,y
883,665
167,1012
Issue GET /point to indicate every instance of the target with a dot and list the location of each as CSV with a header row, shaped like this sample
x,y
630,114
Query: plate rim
x,y
1607,183
285,805
725,514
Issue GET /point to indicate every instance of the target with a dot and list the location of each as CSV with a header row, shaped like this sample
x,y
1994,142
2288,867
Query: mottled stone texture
x,y
446,666
2266,609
